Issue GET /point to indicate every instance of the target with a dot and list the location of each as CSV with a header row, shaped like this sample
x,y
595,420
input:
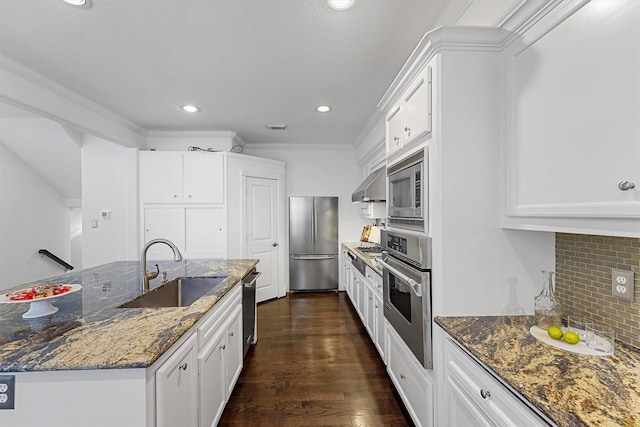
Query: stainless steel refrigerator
x,y
313,243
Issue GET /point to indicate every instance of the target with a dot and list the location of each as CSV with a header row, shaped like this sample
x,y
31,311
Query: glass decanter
x,y
547,311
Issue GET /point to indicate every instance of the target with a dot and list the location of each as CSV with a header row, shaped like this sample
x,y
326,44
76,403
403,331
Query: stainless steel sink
x,y
180,292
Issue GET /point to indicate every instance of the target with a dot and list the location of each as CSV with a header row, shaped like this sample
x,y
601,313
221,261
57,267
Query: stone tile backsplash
x,y
583,281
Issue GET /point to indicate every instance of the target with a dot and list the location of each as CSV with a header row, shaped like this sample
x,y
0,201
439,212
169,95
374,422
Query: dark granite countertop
x,y
351,246
570,389
90,332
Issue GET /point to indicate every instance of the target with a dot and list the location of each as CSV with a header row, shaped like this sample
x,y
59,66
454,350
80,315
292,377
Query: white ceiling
x,y
246,63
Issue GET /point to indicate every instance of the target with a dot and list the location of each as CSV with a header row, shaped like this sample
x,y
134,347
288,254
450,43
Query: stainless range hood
x,y
372,189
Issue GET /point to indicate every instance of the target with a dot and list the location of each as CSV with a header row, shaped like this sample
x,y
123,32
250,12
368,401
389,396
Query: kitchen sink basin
x,y
180,292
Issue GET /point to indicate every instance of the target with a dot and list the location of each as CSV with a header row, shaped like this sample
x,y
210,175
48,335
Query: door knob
x,y
274,245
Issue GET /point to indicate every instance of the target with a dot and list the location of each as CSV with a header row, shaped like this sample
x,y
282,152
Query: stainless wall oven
x,y
408,193
406,272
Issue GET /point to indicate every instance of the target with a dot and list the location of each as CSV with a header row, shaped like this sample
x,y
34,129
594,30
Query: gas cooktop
x,y
369,251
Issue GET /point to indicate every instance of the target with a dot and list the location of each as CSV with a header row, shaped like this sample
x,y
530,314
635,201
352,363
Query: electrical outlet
x,y
7,391
622,284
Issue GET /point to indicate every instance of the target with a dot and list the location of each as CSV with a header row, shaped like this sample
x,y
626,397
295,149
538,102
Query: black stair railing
x,y
63,263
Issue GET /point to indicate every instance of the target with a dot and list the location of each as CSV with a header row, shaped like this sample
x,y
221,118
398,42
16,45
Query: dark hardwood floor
x,y
313,365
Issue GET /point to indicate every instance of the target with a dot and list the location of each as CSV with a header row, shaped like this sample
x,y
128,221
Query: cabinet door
x,y
379,330
234,349
369,310
205,233
414,387
164,223
177,388
460,410
572,138
393,129
416,108
203,175
212,384
160,176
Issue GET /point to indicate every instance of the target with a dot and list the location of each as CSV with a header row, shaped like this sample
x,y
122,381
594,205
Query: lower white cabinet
x,y
411,380
474,398
194,384
177,388
219,365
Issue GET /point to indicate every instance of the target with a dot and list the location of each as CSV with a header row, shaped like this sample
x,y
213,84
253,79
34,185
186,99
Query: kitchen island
x,y
564,388
93,351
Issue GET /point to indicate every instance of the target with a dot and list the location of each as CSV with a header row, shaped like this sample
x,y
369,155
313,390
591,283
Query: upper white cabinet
x,y
181,177
410,118
573,133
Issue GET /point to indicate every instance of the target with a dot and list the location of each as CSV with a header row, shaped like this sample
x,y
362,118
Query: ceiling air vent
x,y
276,127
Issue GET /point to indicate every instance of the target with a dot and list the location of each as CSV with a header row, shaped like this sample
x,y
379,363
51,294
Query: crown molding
x,y
280,146
444,38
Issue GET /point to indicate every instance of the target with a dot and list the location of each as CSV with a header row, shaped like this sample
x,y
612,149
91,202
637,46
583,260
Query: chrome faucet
x,y
147,276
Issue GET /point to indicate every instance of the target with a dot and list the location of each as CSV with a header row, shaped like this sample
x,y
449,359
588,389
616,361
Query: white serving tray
x,y
579,348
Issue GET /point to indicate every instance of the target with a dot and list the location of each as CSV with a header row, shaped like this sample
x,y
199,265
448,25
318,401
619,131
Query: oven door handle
x,y
415,286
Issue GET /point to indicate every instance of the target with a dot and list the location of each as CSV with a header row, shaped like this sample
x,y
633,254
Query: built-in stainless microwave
x,y
407,201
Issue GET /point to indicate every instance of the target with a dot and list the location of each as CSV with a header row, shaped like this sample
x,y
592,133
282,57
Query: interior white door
x,y
262,233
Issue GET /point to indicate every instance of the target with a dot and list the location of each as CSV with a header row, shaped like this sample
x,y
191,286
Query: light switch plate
x,y
622,284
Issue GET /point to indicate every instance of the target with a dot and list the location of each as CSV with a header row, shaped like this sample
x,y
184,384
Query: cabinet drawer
x,y
413,385
220,313
488,395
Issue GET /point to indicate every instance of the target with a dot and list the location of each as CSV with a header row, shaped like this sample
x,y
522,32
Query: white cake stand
x,y
41,306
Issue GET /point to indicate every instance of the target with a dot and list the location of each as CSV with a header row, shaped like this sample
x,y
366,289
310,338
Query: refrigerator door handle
x,y
314,219
313,257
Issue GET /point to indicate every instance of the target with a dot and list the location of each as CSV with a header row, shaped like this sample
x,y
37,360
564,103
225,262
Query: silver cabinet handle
x,y
407,130
396,139
274,245
223,346
230,334
403,376
626,185
485,394
183,366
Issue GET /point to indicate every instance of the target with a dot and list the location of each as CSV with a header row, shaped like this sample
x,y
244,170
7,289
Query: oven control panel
x,y
397,243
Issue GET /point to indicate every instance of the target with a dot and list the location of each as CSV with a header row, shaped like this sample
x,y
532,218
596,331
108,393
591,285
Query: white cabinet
x,y
219,365
177,388
572,139
473,397
410,119
413,384
376,315
369,320
178,177
182,200
199,232
373,210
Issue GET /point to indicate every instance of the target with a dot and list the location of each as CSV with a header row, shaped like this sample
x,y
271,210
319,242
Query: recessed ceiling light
x,y
79,3
323,109
341,4
190,108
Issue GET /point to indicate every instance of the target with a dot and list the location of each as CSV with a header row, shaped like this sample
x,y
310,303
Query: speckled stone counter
x,y
90,332
570,389
351,247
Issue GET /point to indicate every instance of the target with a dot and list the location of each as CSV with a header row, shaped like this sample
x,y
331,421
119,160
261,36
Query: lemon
x,y
555,332
571,337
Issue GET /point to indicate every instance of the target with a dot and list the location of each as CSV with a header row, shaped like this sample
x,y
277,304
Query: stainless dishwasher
x,y
249,309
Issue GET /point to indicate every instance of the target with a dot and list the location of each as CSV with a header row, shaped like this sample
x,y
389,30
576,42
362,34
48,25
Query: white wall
x,y
320,171
109,182
32,217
